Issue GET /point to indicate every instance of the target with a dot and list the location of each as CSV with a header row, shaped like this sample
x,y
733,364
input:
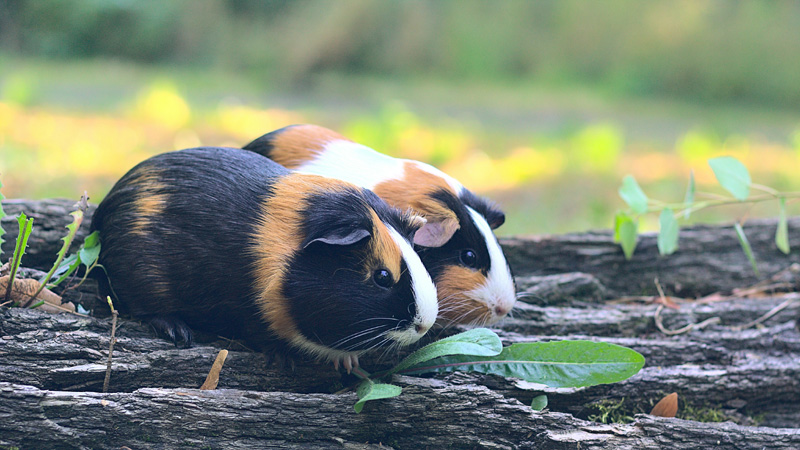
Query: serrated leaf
x,y
2,214
633,195
556,364
478,341
782,233
748,251
689,199
732,175
72,230
625,233
539,402
369,390
667,233
25,229
67,267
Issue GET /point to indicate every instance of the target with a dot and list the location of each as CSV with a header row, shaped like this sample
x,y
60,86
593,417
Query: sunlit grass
x,y
546,181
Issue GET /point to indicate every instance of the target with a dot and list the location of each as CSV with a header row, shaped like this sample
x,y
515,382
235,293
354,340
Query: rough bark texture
x,y
52,365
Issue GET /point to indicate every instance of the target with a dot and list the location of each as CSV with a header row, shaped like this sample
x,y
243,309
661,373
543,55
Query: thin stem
x,y
766,189
111,343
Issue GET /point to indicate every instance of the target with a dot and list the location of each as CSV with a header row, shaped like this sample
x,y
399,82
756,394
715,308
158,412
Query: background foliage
x,y
542,105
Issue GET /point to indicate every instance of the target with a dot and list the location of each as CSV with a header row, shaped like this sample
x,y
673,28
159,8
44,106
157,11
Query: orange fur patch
x,y
300,144
150,200
414,192
455,306
277,237
382,251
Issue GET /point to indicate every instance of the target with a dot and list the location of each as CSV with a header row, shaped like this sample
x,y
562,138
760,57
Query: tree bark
x,y
52,365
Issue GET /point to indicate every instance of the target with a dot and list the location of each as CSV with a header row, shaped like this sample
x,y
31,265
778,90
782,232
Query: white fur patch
x,y
452,182
498,290
354,163
424,294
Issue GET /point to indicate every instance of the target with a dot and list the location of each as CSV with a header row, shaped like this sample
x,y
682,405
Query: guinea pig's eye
x,y
469,258
383,278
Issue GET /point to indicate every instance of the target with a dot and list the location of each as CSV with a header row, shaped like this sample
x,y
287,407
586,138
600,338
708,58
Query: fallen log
x,y
744,366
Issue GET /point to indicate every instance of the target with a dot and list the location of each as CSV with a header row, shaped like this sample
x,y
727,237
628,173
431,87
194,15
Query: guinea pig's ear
x,y
495,217
436,233
339,236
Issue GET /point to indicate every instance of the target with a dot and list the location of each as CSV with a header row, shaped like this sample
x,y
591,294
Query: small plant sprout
x,y
77,219
25,229
2,214
731,174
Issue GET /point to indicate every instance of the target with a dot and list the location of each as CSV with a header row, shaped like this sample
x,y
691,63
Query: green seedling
x,y
732,176
25,229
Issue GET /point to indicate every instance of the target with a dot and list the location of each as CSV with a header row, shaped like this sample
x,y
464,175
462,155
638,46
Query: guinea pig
x,y
227,241
457,245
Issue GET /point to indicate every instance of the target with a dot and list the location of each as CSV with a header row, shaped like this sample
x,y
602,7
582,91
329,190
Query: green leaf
x,y
89,255
732,175
782,234
368,390
539,402
625,233
633,195
68,266
688,201
72,230
748,251
667,233
556,364
25,229
92,240
2,214
478,341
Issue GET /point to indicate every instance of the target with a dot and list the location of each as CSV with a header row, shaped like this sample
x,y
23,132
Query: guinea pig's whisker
x,y
375,318
356,335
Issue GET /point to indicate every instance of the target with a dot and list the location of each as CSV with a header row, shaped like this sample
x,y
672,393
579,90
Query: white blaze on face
x,y
424,292
498,290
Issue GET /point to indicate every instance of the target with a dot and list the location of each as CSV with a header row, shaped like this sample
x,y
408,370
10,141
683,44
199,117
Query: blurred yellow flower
x,y
162,104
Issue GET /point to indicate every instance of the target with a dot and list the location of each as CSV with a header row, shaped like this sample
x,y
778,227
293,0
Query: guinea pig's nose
x,y
501,310
421,329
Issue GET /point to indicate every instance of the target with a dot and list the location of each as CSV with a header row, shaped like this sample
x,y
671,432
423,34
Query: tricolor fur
x,y
457,220
234,244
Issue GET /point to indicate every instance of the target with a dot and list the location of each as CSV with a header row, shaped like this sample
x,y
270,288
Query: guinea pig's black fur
x,y
228,242
457,245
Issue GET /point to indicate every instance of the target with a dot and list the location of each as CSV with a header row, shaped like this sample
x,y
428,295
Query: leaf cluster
x,y
732,176
64,266
557,364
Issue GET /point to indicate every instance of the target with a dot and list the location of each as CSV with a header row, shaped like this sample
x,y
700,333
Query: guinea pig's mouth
x,y
472,309
410,334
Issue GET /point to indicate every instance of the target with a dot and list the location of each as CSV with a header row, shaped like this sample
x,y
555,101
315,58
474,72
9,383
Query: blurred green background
x,y
541,105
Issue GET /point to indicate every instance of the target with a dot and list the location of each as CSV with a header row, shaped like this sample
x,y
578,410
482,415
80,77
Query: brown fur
x,y
454,305
277,237
383,252
150,201
300,144
414,192
149,204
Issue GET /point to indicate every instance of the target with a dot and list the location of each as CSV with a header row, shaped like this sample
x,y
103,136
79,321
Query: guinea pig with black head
x,y
457,245
226,241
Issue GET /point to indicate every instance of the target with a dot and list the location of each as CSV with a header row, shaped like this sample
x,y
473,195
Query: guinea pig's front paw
x,y
173,328
349,362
